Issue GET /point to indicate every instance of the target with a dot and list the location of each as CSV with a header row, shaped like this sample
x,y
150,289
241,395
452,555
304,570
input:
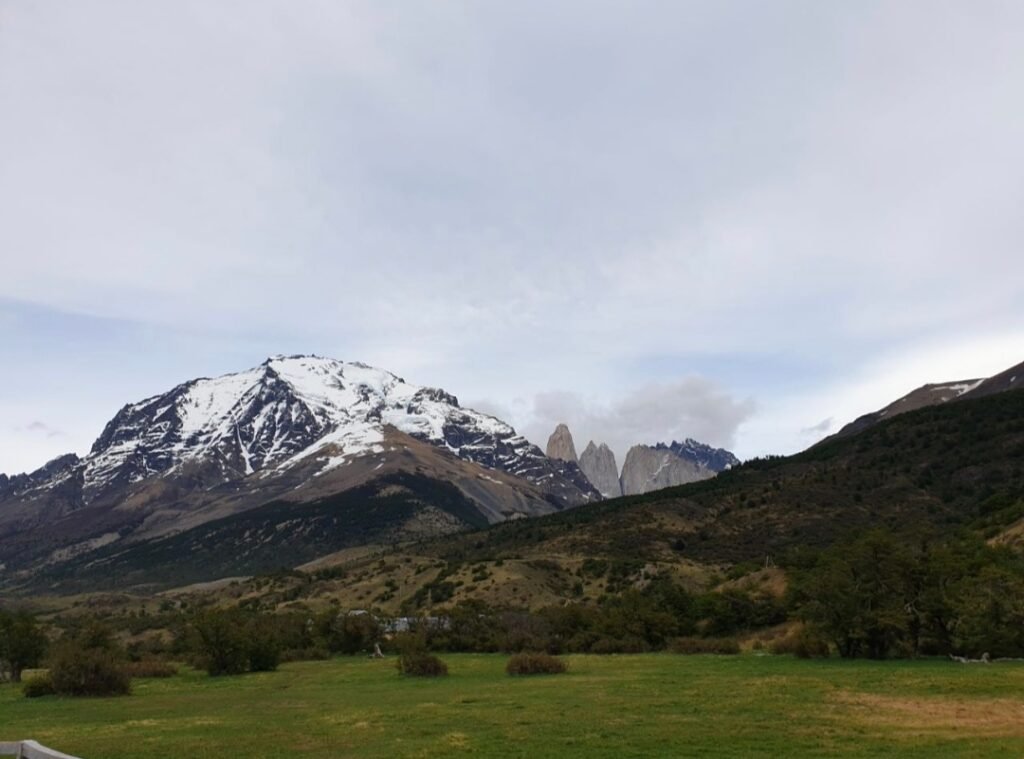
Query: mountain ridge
x,y
935,393
949,467
213,446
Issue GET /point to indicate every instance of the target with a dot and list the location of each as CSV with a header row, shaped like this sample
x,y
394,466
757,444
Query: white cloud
x,y
692,407
788,422
505,199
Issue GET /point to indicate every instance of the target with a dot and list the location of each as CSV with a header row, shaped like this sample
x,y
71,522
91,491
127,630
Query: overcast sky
x,y
744,222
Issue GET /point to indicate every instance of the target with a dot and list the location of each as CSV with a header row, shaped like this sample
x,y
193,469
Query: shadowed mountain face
x,y
388,509
300,427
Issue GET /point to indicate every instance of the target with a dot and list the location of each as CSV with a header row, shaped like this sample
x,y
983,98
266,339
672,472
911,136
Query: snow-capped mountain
x,y
287,410
295,427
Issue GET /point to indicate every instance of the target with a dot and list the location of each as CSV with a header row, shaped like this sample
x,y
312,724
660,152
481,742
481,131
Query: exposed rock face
x,y
560,445
598,464
652,468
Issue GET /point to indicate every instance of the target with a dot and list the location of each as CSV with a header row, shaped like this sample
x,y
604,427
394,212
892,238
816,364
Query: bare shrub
x,y
535,664
421,664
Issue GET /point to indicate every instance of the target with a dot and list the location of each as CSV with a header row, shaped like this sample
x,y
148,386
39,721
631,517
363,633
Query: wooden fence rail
x,y
31,750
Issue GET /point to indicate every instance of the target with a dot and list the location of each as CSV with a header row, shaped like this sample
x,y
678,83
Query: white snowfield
x,y
278,414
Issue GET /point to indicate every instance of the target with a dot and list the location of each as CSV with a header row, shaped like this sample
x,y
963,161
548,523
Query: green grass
x,y
611,706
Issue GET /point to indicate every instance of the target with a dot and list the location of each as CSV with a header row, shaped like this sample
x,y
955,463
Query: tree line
x,y
884,594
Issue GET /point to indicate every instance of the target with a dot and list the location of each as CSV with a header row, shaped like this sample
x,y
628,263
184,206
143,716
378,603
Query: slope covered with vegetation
x,y
939,469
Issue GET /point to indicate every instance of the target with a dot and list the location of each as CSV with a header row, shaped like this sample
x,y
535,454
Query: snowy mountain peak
x,y
217,446
287,408
312,411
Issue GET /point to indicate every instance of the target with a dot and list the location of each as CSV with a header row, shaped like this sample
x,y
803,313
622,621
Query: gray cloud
x,y
41,428
691,407
504,198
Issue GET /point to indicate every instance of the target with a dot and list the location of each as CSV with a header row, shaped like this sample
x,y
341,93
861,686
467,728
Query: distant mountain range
x,y
302,457
647,467
295,429
951,468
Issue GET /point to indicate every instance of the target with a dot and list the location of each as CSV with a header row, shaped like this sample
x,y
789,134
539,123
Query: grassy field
x,y
611,706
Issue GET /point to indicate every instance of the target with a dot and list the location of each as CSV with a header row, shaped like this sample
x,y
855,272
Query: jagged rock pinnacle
x,y
560,445
598,464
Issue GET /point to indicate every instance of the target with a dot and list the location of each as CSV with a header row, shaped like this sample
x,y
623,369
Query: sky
x,y
742,222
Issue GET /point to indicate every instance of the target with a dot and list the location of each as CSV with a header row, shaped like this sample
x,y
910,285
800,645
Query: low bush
x,y
79,671
151,668
728,646
421,664
38,685
535,664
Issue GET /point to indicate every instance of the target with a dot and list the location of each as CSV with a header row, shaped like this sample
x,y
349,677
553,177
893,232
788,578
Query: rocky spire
x,y
598,464
560,445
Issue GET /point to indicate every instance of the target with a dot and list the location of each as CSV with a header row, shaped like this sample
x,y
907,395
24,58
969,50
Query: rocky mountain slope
x,y
938,393
298,427
926,395
1009,379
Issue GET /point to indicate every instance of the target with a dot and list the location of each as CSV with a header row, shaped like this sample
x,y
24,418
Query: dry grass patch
x,y
976,717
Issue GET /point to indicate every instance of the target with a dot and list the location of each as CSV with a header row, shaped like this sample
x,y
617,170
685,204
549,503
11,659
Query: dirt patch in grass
x,y
919,716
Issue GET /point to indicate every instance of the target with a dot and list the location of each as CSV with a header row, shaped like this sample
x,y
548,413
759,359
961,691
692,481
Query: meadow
x,y
605,706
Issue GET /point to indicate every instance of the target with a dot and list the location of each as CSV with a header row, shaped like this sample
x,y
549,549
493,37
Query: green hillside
x,y
943,468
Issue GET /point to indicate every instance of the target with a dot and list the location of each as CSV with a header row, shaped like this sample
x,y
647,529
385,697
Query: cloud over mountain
x,y
692,407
